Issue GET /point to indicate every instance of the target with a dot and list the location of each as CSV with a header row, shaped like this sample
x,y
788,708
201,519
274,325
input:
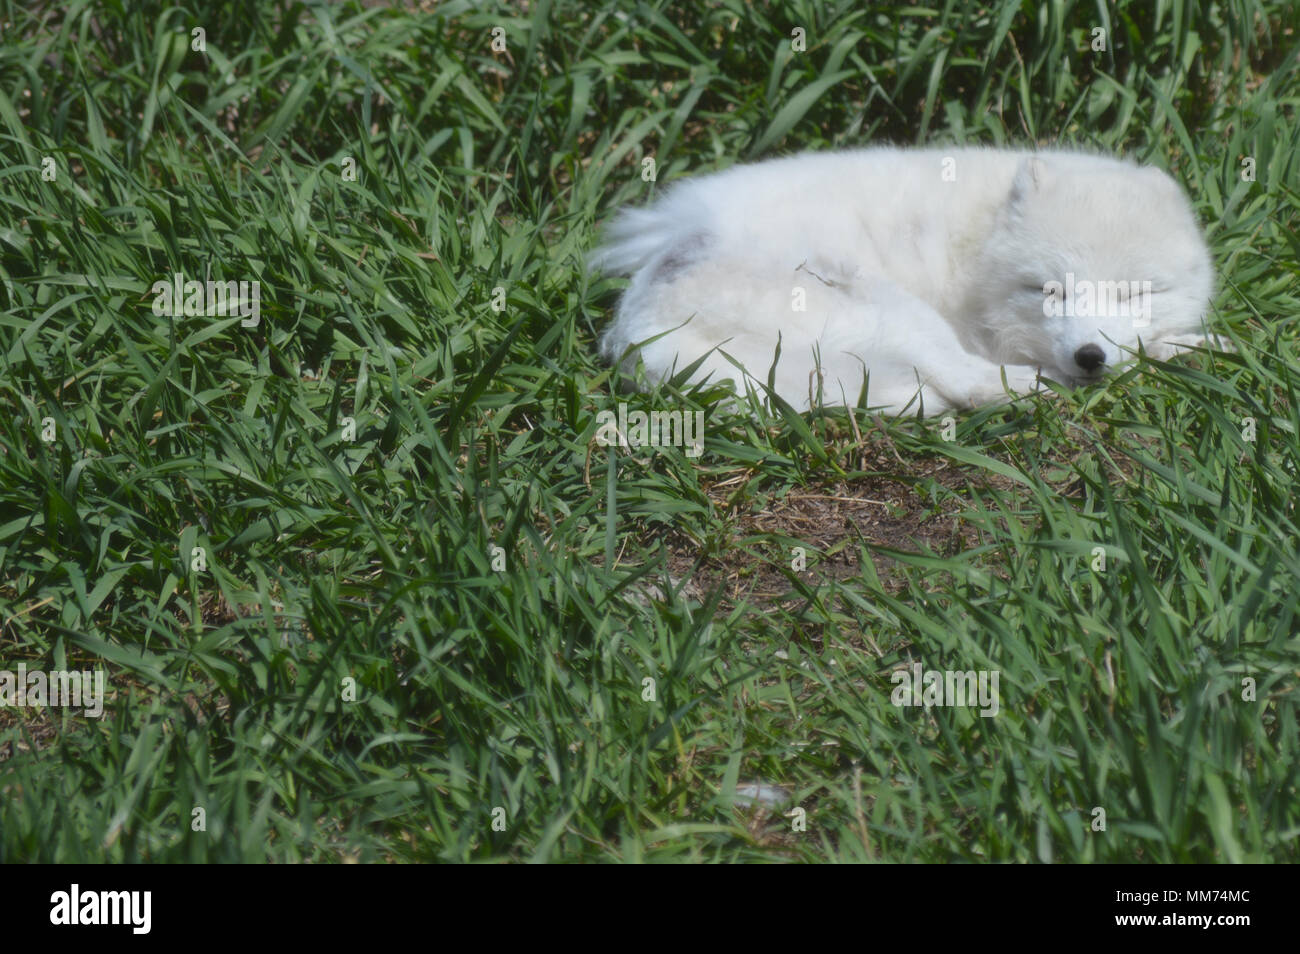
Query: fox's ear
x,y
1030,178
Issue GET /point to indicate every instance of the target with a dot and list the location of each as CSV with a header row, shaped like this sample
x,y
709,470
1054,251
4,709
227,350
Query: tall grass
x,y
396,487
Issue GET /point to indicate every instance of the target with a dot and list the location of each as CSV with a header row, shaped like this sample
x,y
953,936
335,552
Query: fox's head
x,y
1086,258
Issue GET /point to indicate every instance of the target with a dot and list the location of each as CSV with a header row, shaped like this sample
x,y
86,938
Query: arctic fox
x,y
929,273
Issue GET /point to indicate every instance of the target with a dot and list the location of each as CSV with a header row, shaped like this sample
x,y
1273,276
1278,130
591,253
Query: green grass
x,y
332,556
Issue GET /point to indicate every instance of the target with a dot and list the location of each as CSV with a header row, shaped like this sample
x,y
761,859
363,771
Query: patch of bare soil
x,y
830,522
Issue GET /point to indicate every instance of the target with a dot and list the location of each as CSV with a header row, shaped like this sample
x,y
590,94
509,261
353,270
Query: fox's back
x,y
906,213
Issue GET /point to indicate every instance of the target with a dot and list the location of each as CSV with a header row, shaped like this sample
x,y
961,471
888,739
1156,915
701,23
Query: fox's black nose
x,y
1090,357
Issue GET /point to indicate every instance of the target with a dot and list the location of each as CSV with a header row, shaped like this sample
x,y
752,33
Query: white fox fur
x,y
928,269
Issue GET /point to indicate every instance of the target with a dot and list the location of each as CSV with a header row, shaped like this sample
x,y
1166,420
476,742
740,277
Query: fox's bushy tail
x,y
634,239
640,237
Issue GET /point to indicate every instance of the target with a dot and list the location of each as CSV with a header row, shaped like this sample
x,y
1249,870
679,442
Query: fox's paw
x,y
1021,380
